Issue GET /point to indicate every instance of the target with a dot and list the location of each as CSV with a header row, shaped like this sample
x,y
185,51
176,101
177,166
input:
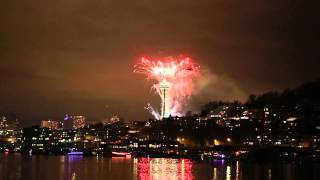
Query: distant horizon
x,y
38,120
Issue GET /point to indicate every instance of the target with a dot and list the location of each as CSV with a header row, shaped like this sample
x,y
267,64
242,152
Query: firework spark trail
x,y
174,81
153,111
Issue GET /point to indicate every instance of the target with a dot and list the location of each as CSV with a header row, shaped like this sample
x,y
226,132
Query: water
x,y
16,167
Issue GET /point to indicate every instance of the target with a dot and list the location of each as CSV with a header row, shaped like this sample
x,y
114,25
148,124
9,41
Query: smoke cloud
x,y
213,87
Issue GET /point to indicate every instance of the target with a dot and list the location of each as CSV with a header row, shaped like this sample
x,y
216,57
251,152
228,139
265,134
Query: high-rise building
x,y
67,123
3,123
112,120
9,122
78,122
55,125
36,139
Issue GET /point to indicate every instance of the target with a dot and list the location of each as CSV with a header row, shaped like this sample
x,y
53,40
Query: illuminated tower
x,y
165,106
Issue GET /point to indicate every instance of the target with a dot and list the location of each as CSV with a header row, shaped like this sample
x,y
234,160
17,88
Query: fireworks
x,y
174,82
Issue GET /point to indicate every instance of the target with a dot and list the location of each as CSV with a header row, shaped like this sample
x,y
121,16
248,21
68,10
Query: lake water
x,y
37,167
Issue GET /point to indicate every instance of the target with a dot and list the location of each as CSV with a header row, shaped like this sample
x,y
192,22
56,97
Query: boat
x,y
77,153
121,154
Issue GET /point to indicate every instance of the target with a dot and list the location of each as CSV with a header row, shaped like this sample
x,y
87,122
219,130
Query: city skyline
x,y
78,59
159,89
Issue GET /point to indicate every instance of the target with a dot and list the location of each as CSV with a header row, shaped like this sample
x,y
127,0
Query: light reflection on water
x,y
16,167
228,173
163,168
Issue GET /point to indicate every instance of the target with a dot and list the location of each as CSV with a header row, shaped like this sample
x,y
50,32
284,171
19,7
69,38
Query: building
x,y
9,123
67,123
112,120
55,125
78,122
36,139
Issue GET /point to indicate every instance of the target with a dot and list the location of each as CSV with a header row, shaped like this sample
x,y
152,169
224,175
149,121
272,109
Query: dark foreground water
x,y
16,166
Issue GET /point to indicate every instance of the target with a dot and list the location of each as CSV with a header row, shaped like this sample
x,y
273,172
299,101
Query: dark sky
x,y
77,56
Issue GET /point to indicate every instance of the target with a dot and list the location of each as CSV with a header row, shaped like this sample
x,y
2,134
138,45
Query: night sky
x,y
77,56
